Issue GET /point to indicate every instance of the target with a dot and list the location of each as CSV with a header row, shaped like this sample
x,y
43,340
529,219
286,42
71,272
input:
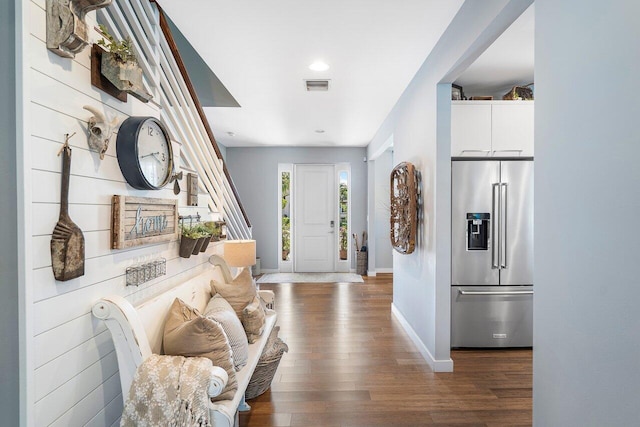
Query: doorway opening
x,y
314,217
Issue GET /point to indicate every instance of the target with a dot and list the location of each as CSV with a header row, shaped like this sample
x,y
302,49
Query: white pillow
x,y
221,311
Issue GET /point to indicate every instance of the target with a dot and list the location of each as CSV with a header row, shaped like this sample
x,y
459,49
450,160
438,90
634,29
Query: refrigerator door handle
x,y
495,208
461,292
503,225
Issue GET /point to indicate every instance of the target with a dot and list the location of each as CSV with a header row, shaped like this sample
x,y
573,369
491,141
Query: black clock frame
x,y
127,152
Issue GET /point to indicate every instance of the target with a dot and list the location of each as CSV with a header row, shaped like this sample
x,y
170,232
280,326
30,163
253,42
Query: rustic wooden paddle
x,y
67,242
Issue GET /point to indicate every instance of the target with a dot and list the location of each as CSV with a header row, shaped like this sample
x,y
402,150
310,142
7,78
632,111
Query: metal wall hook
x,y
67,137
181,219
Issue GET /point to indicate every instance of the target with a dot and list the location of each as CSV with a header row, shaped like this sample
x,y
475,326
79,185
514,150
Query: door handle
x,y
486,152
495,208
503,225
513,293
507,151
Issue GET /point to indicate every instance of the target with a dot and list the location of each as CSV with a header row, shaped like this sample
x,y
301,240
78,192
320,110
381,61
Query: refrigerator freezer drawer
x,y
492,316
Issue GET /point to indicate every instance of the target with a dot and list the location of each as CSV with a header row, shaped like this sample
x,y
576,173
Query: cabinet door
x,y
470,130
512,130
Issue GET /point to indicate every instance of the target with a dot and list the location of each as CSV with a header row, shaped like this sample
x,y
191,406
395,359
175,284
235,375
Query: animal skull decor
x,y
100,130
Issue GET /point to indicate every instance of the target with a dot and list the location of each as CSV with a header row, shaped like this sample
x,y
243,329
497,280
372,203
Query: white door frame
x,y
287,266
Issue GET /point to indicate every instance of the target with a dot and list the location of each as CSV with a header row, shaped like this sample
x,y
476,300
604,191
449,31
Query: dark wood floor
x,y
351,364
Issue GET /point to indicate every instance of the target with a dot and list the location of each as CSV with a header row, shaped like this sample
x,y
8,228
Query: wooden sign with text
x,y
139,221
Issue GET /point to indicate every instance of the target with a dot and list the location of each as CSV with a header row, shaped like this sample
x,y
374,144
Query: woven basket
x,y
267,365
361,263
519,92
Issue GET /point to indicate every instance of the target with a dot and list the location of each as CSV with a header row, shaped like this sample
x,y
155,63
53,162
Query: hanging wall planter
x,y
119,65
205,245
198,246
186,246
191,237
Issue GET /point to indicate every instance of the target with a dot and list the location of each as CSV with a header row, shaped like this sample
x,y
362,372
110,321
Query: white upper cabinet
x,y
512,129
470,129
492,128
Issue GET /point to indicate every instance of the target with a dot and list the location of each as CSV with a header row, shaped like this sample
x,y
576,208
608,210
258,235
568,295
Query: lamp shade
x,y
240,253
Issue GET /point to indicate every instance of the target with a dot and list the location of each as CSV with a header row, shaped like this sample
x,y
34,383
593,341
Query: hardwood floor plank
x,y
350,364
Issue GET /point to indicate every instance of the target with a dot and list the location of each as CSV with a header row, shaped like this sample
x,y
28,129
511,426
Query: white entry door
x,y
314,218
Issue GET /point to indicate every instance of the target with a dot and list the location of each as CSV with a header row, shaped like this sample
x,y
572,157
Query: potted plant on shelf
x,y
120,65
215,228
343,242
188,240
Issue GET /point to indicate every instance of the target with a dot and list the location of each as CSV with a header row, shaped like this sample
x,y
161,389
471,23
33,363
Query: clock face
x,y
144,153
153,153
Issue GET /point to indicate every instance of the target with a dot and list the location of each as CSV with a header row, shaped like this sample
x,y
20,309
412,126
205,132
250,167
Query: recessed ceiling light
x,y
319,66
231,133
319,130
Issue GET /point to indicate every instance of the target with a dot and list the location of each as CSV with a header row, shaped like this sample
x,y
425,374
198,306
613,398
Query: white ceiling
x,y
261,51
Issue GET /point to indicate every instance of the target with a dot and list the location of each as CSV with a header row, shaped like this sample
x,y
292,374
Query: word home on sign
x,y
143,220
149,225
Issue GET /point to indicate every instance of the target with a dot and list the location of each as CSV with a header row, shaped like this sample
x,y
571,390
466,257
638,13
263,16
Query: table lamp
x,y
240,253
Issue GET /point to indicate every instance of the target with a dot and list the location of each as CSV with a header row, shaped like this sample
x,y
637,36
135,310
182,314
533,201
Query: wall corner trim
x,y
444,365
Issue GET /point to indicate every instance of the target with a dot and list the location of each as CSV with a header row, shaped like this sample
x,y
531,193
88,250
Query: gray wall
x,y
9,303
384,252
587,192
255,174
420,124
223,151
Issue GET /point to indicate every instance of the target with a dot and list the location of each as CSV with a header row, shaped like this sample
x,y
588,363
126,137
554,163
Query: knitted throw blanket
x,y
169,391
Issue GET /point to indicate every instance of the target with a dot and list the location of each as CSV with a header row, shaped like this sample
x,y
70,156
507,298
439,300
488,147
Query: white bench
x,y
137,333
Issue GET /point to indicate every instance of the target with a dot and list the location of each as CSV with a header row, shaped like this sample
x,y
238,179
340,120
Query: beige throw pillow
x,y
188,333
239,293
253,320
219,310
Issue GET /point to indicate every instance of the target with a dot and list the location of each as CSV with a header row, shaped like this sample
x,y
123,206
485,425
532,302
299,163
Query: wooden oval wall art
x,y
404,207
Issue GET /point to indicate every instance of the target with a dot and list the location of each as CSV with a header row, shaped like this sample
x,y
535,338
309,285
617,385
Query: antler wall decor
x,y
404,207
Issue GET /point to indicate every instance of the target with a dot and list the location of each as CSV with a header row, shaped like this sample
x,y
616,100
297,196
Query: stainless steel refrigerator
x,y
492,253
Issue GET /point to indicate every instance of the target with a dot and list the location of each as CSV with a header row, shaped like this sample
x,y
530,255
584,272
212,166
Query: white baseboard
x,y
379,270
445,365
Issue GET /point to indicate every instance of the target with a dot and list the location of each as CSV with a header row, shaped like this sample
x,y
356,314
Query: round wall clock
x,y
144,153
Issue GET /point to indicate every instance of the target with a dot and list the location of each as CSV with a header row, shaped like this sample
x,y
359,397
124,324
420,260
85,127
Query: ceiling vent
x,y
317,85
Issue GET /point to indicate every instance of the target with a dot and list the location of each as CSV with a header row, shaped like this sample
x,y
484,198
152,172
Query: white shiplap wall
x,y
75,375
